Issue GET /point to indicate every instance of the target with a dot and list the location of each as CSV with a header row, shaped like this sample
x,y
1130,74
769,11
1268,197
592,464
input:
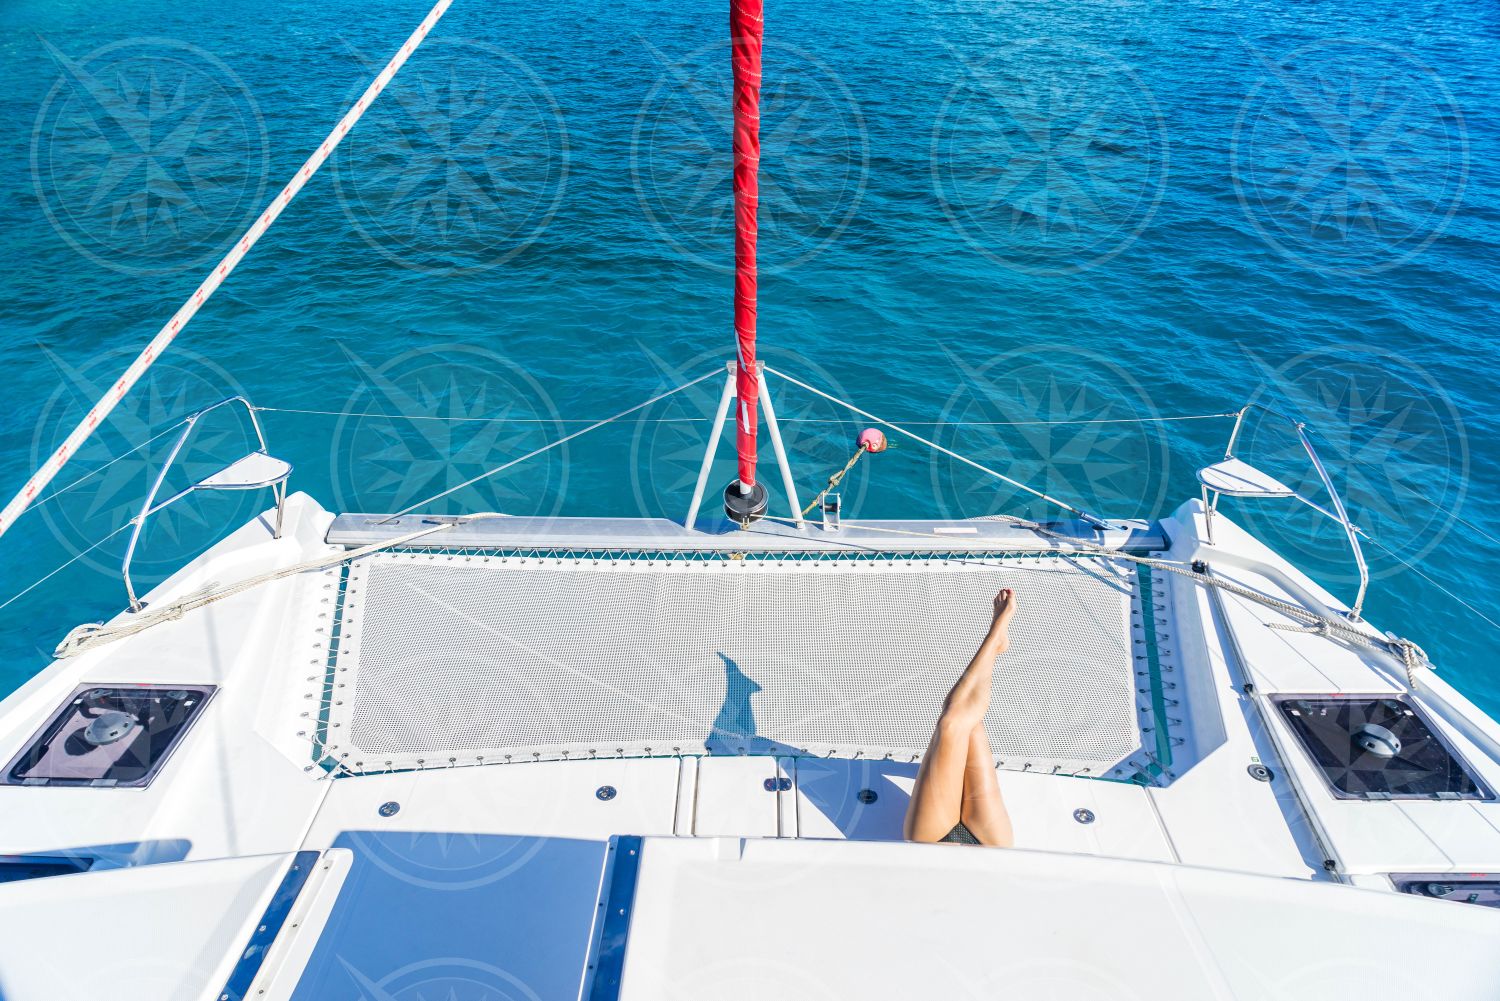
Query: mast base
x,y
743,508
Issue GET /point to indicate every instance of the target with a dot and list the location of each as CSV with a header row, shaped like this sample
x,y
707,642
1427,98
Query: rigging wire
x,y
708,419
550,445
1461,519
1414,568
111,462
934,445
59,569
1401,648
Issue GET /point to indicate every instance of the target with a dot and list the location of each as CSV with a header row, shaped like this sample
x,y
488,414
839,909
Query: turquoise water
x,y
976,216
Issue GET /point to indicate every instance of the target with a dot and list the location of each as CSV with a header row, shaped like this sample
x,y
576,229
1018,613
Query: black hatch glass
x,y
1377,748
1482,888
109,735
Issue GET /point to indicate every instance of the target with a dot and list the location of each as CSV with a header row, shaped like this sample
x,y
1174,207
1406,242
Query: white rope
x,y
550,445
934,445
91,634
95,472
186,312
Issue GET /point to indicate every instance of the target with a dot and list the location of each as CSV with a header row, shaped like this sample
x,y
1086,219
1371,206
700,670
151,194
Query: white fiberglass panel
x,y
813,920
169,932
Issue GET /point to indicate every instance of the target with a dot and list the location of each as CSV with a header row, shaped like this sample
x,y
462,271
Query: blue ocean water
x,y
977,217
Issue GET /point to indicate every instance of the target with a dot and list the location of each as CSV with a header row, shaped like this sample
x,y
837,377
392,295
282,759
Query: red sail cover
x,y
746,21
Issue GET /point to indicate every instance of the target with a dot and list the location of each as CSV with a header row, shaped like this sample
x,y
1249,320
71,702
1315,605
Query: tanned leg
x,y
937,800
984,812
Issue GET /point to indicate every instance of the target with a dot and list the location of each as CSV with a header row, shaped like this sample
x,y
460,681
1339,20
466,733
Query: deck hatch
x,y
461,659
1377,747
109,735
457,916
1479,888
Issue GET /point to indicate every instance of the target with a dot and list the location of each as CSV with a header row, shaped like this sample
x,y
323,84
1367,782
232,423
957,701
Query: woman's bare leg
x,y
937,799
983,811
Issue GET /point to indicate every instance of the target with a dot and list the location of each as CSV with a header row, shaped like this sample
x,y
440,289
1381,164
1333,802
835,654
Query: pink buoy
x,y
872,440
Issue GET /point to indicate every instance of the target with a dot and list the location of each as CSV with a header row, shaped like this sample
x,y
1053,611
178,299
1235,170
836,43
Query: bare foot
x,y
1005,610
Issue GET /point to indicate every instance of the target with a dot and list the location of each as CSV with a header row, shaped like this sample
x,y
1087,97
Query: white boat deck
x,y
444,656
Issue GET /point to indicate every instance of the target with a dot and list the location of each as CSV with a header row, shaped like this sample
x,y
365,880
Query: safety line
x,y
550,445
123,455
1093,520
59,569
708,419
1418,571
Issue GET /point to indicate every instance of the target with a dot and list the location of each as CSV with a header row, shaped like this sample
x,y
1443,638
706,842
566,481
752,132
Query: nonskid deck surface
x,y
461,659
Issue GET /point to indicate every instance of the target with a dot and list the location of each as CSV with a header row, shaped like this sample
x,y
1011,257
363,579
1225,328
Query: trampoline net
x,y
463,659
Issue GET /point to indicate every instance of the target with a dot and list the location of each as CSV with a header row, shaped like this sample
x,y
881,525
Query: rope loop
x,y
834,480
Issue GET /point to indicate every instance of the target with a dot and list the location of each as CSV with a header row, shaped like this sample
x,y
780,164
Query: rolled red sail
x,y
746,21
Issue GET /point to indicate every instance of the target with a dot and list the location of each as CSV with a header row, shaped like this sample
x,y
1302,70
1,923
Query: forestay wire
x,y
209,285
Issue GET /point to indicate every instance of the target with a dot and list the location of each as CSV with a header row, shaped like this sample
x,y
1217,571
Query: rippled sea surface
x,y
977,218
